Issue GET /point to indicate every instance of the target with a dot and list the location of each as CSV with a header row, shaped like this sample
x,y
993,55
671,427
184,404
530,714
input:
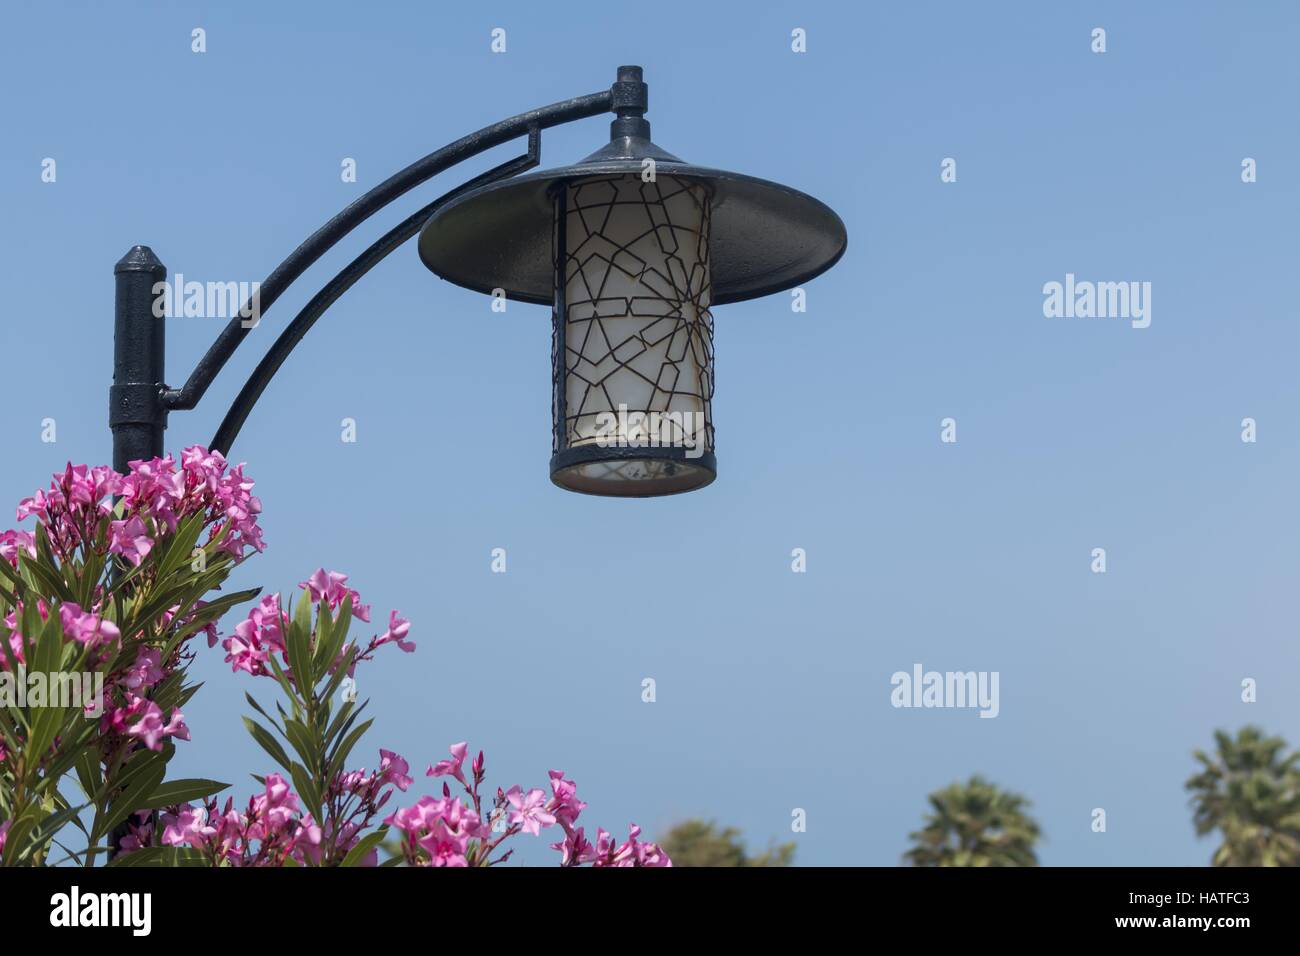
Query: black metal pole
x,y
135,410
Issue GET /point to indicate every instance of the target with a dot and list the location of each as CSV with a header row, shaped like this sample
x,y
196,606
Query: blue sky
x,y
773,688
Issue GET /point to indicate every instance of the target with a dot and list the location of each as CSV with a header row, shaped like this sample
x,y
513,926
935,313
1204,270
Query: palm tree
x,y
975,824
700,843
1249,790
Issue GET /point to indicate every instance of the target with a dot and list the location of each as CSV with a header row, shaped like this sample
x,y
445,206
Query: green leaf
x,y
88,772
268,743
340,672
367,843
324,627
342,721
180,547
89,578
298,640
44,568
12,574
210,612
50,826
301,739
9,654
131,797
167,692
16,838
283,681
341,754
258,707
306,788
160,856
136,763
146,856
48,656
337,635
74,736
302,611
175,792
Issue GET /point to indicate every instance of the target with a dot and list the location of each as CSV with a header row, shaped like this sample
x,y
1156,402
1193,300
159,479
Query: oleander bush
x,y
100,606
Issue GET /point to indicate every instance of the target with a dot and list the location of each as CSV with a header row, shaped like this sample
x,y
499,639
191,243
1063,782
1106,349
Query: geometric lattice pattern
x,y
638,334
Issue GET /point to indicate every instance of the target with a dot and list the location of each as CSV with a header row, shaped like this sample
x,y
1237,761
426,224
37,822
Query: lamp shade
x,y
764,237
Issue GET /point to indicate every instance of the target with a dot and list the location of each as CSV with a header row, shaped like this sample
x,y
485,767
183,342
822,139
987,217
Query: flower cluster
x,y
262,633
270,831
437,832
454,832
273,829
155,496
87,533
73,505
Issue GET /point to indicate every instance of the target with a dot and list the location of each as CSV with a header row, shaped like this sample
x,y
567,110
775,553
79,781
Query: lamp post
x,y
632,247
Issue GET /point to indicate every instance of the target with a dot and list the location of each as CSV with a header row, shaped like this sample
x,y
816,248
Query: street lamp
x,y
632,248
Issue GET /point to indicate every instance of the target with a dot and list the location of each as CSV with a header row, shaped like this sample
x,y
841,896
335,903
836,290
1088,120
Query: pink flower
x,y
145,672
4,832
150,727
393,769
86,628
188,826
631,853
329,587
575,848
396,633
203,467
306,839
37,505
272,810
176,726
452,766
257,637
16,642
11,542
130,539
529,810
566,806
139,832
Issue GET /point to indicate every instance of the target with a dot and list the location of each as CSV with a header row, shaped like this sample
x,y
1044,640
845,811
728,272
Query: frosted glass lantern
x,y
632,337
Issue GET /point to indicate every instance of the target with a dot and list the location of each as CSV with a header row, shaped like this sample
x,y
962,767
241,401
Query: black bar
x,y
1165,909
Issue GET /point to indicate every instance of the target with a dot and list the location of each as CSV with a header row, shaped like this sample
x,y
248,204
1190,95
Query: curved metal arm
x,y
330,293
328,235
